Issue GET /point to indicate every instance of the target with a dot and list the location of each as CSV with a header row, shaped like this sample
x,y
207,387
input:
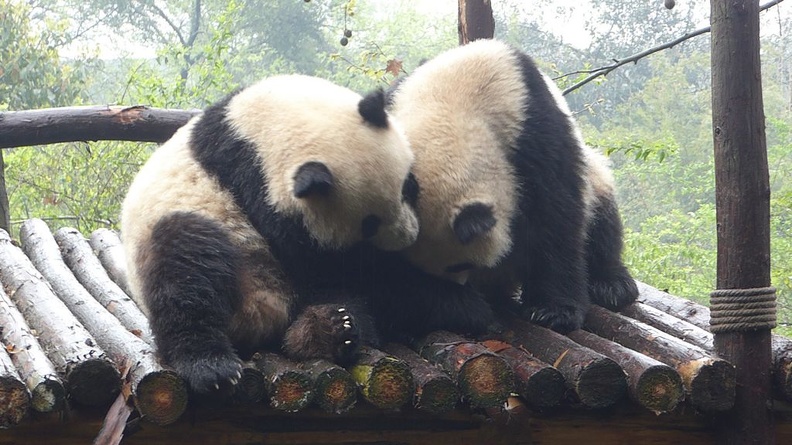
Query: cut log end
x,y
660,389
713,386
486,380
437,396
601,383
545,389
94,382
14,401
48,396
336,391
252,387
291,391
391,384
161,397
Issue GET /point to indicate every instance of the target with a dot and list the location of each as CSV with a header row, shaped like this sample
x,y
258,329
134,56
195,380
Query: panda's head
x,y
347,171
462,112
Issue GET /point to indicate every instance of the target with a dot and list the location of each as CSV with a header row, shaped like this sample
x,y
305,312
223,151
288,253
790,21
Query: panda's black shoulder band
x,y
372,109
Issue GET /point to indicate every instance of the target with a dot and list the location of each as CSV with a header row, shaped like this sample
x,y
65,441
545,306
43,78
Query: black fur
x,y
609,282
372,109
370,225
312,178
411,190
191,290
473,221
549,228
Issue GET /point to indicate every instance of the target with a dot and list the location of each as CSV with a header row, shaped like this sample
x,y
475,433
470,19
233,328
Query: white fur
x,y
172,181
319,121
462,134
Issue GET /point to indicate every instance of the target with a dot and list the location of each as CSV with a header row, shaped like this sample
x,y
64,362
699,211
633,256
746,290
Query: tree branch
x,y
605,70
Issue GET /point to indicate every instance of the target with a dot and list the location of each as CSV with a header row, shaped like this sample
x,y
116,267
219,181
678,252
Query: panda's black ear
x,y
472,221
372,108
312,178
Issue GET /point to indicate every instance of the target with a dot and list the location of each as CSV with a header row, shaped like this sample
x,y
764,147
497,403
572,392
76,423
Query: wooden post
x,y
5,211
743,208
475,20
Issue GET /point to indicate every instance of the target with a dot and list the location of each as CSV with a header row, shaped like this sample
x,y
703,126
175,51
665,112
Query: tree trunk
x,y
5,211
91,123
91,378
597,381
435,392
475,20
110,251
709,381
160,395
88,270
743,208
37,371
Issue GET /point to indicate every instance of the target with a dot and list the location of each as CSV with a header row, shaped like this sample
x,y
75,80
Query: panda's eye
x,y
370,226
461,267
410,190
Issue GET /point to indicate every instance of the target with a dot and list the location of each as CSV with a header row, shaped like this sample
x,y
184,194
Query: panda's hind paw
x,y
562,319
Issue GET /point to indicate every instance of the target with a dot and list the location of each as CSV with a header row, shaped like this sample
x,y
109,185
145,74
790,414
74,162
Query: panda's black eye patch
x,y
473,221
461,267
410,190
370,225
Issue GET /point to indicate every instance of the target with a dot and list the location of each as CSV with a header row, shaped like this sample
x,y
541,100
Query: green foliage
x,y
32,75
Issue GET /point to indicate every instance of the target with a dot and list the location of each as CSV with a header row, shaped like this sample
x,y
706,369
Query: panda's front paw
x,y
328,331
211,375
562,319
613,292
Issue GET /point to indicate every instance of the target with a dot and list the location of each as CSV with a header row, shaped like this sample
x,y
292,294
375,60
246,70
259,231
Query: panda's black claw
x,y
562,319
213,375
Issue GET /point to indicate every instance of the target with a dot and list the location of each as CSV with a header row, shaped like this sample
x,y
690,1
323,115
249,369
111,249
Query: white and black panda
x,y
253,215
510,194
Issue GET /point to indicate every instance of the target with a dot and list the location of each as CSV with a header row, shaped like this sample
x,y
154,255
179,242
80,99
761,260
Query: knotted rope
x,y
740,310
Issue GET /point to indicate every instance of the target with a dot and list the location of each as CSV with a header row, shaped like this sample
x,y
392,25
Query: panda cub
x,y
241,230
511,197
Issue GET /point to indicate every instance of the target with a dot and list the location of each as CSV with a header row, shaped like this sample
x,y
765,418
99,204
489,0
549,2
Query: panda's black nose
x,y
370,225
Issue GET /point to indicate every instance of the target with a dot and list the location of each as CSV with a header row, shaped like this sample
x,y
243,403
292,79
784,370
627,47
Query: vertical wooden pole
x,y
5,212
743,208
475,20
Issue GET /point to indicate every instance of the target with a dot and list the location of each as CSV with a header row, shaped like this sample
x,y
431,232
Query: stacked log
x,y
435,392
709,381
110,252
14,395
289,387
88,270
36,370
595,380
335,389
91,377
160,395
485,379
384,380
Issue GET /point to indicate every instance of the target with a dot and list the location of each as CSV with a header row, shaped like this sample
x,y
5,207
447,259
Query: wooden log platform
x,y
543,387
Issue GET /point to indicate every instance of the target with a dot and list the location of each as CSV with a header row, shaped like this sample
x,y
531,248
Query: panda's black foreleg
x,y
609,282
191,290
414,303
554,291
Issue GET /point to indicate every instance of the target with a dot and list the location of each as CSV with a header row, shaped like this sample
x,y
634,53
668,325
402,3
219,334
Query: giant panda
x,y
243,230
511,200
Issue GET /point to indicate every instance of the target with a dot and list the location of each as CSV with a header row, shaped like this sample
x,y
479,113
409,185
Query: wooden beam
x,y
743,208
90,123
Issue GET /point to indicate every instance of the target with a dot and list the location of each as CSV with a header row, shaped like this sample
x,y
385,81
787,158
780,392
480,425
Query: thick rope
x,y
740,310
